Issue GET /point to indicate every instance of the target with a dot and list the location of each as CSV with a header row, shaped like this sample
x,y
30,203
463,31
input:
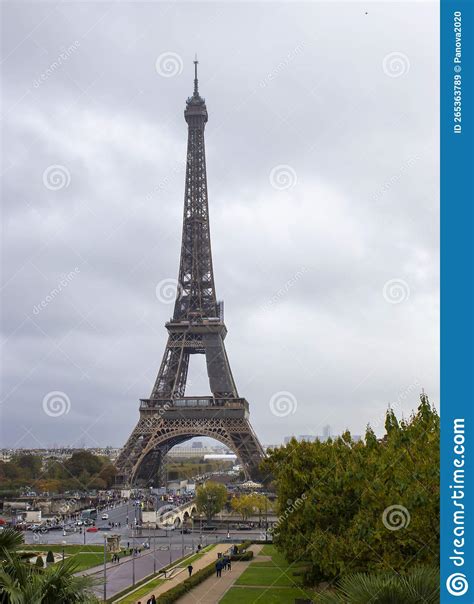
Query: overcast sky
x,y
322,159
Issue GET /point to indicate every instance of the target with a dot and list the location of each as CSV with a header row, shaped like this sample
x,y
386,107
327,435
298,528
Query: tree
x,y
39,562
22,582
211,498
339,500
417,585
30,464
50,557
243,505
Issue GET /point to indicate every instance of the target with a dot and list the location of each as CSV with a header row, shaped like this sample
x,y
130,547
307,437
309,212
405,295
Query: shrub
x,y
173,594
244,557
39,562
421,584
243,546
50,557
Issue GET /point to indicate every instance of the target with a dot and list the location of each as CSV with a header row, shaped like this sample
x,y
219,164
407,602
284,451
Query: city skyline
x,y
339,271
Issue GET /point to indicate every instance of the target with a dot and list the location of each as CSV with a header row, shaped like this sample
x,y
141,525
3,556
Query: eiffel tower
x,y
169,417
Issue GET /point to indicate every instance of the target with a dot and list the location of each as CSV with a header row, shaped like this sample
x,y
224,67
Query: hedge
x,y
243,546
244,557
173,594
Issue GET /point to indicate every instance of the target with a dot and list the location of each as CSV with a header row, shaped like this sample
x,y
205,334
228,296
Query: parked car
x,y
92,529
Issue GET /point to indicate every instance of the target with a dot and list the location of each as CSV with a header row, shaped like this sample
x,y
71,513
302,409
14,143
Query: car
x,y
185,531
209,528
92,529
105,516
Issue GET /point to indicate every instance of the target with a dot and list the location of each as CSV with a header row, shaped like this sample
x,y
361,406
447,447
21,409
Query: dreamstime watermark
x,y
56,177
282,65
281,293
166,290
165,516
283,177
396,405
283,403
396,517
291,507
169,64
178,169
395,64
56,64
457,584
67,506
395,178
56,403
61,286
396,291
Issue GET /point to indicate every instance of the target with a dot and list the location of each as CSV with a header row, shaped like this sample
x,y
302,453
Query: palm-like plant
x,y
23,583
421,584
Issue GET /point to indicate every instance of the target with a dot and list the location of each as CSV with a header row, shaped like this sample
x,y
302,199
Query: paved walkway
x,y
120,576
213,589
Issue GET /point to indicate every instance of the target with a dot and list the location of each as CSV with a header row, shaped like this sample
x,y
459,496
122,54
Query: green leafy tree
x,y
210,499
30,464
371,505
83,463
243,505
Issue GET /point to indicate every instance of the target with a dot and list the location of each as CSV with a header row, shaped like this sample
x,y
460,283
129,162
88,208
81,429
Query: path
x,y
205,560
120,576
213,589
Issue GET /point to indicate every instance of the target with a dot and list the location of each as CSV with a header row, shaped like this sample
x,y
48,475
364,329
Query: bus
x,y
89,514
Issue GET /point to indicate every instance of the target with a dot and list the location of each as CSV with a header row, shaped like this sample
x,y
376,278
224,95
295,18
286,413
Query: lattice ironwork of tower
x,y
169,417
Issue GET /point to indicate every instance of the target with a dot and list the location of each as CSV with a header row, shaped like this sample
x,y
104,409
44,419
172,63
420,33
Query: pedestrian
x,y
218,568
190,570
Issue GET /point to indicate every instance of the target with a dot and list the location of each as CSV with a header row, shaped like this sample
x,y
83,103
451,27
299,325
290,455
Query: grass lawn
x,y
69,549
141,591
249,595
269,582
265,575
85,556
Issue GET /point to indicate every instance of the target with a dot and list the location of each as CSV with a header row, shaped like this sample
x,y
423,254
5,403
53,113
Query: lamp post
x,y
105,568
154,549
133,560
169,546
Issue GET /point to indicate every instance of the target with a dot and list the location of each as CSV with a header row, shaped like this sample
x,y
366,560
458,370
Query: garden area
x,y
270,579
84,556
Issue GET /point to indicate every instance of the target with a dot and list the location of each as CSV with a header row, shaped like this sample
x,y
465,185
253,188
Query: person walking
x,y
229,564
190,569
218,568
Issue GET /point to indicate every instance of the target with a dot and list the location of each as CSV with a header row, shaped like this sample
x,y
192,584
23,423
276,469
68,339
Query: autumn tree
x,y
346,506
210,499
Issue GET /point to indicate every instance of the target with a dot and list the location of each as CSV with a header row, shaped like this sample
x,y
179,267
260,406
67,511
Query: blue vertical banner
x,y
457,301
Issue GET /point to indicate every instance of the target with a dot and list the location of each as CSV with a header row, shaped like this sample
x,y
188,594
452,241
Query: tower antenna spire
x,y
196,74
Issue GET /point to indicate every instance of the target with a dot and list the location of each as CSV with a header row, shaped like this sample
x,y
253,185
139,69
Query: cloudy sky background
x,y
304,255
